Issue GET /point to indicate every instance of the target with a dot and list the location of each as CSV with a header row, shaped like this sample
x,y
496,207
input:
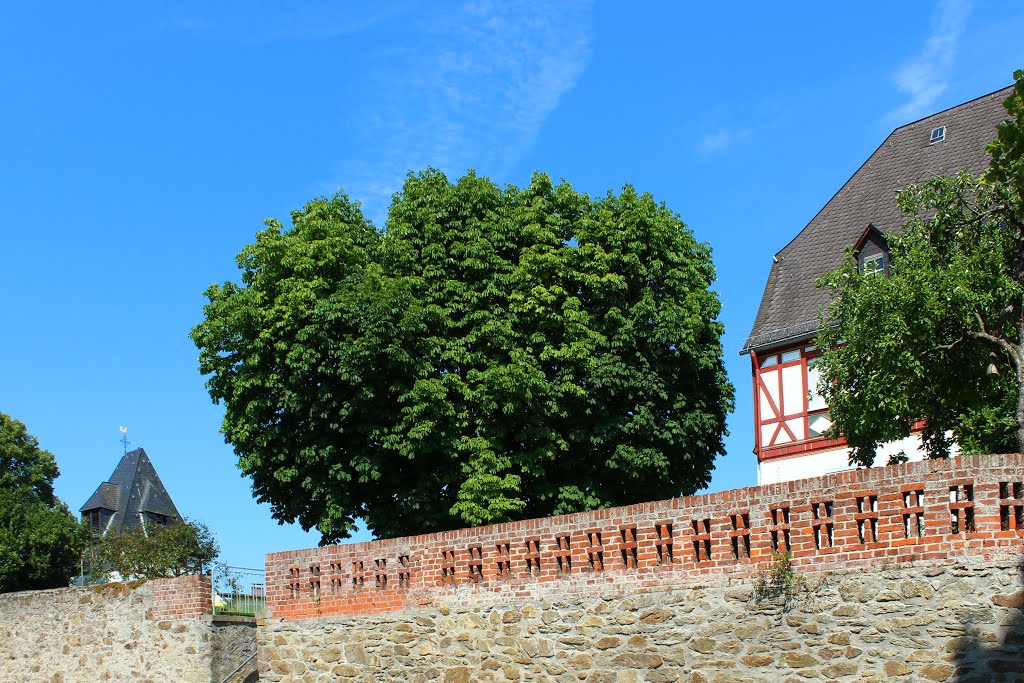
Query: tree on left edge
x,y
41,541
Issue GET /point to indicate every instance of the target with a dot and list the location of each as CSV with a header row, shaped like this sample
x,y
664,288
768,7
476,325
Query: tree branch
x,y
979,215
942,347
1011,349
997,341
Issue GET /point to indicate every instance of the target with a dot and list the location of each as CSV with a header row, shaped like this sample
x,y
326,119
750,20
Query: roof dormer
x,y
872,252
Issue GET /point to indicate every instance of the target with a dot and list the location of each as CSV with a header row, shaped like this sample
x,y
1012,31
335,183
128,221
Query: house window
x,y
938,135
790,408
873,265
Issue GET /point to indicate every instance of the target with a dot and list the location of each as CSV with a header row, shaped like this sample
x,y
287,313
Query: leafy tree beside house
x,y
496,353
939,339
41,542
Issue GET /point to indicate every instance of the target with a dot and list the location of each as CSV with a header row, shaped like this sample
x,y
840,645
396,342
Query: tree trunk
x,y
1017,358
1020,406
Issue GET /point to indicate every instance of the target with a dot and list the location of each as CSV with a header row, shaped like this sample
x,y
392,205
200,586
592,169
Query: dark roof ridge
x,y
871,158
951,108
825,210
139,454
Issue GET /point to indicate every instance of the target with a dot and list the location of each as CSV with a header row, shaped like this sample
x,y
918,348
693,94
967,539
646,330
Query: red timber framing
x,y
789,416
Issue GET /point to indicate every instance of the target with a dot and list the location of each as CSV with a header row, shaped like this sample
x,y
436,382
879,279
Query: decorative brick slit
x,y
961,508
336,580
1011,506
533,557
504,564
740,536
380,574
823,524
595,551
404,571
913,511
867,517
357,575
563,556
295,582
780,529
314,582
476,564
627,547
701,540
663,543
447,567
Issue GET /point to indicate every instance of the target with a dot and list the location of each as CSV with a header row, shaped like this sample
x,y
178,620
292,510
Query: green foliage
x,y
154,552
919,344
496,353
24,466
780,581
40,540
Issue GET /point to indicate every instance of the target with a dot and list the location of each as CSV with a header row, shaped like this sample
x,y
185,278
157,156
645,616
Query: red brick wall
x,y
182,597
839,521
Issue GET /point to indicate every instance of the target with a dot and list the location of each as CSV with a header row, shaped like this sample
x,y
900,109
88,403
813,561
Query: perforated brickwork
x,y
916,512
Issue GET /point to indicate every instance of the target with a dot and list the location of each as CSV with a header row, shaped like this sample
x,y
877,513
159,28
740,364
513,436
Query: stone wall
x,y
955,621
143,632
232,644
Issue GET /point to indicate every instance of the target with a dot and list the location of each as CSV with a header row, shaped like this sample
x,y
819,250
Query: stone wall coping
x,y
229,619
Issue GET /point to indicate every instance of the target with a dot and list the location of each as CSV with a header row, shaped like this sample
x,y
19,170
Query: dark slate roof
x,y
134,488
106,497
791,301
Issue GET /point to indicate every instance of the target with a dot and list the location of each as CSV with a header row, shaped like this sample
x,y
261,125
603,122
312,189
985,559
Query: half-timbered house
x,y
790,418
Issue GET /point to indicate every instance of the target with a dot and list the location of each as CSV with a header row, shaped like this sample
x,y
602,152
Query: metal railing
x,y
238,591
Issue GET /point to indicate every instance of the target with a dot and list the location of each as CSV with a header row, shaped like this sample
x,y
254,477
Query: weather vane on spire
x,y
124,438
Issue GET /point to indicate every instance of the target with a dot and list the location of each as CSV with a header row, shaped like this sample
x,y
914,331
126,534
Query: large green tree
x,y
940,339
41,542
496,353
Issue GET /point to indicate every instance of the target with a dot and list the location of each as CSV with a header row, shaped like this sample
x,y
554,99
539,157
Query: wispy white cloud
x,y
923,78
721,139
471,90
301,21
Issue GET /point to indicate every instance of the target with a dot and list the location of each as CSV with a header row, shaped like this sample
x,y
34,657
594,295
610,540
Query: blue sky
x,y
144,145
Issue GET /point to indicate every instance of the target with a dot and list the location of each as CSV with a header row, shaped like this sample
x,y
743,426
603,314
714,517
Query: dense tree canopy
x,y
939,340
495,353
41,542
154,551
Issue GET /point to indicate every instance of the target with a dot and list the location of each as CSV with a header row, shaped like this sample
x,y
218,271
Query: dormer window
x,y
873,265
871,252
938,135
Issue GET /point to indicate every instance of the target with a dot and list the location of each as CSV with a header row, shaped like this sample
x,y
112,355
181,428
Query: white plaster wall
x,y
836,460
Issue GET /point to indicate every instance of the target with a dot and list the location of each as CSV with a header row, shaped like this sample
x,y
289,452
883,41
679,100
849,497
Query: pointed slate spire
x,y
134,493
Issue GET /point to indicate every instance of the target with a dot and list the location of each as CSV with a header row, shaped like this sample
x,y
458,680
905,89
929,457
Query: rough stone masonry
x,y
960,621
138,632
